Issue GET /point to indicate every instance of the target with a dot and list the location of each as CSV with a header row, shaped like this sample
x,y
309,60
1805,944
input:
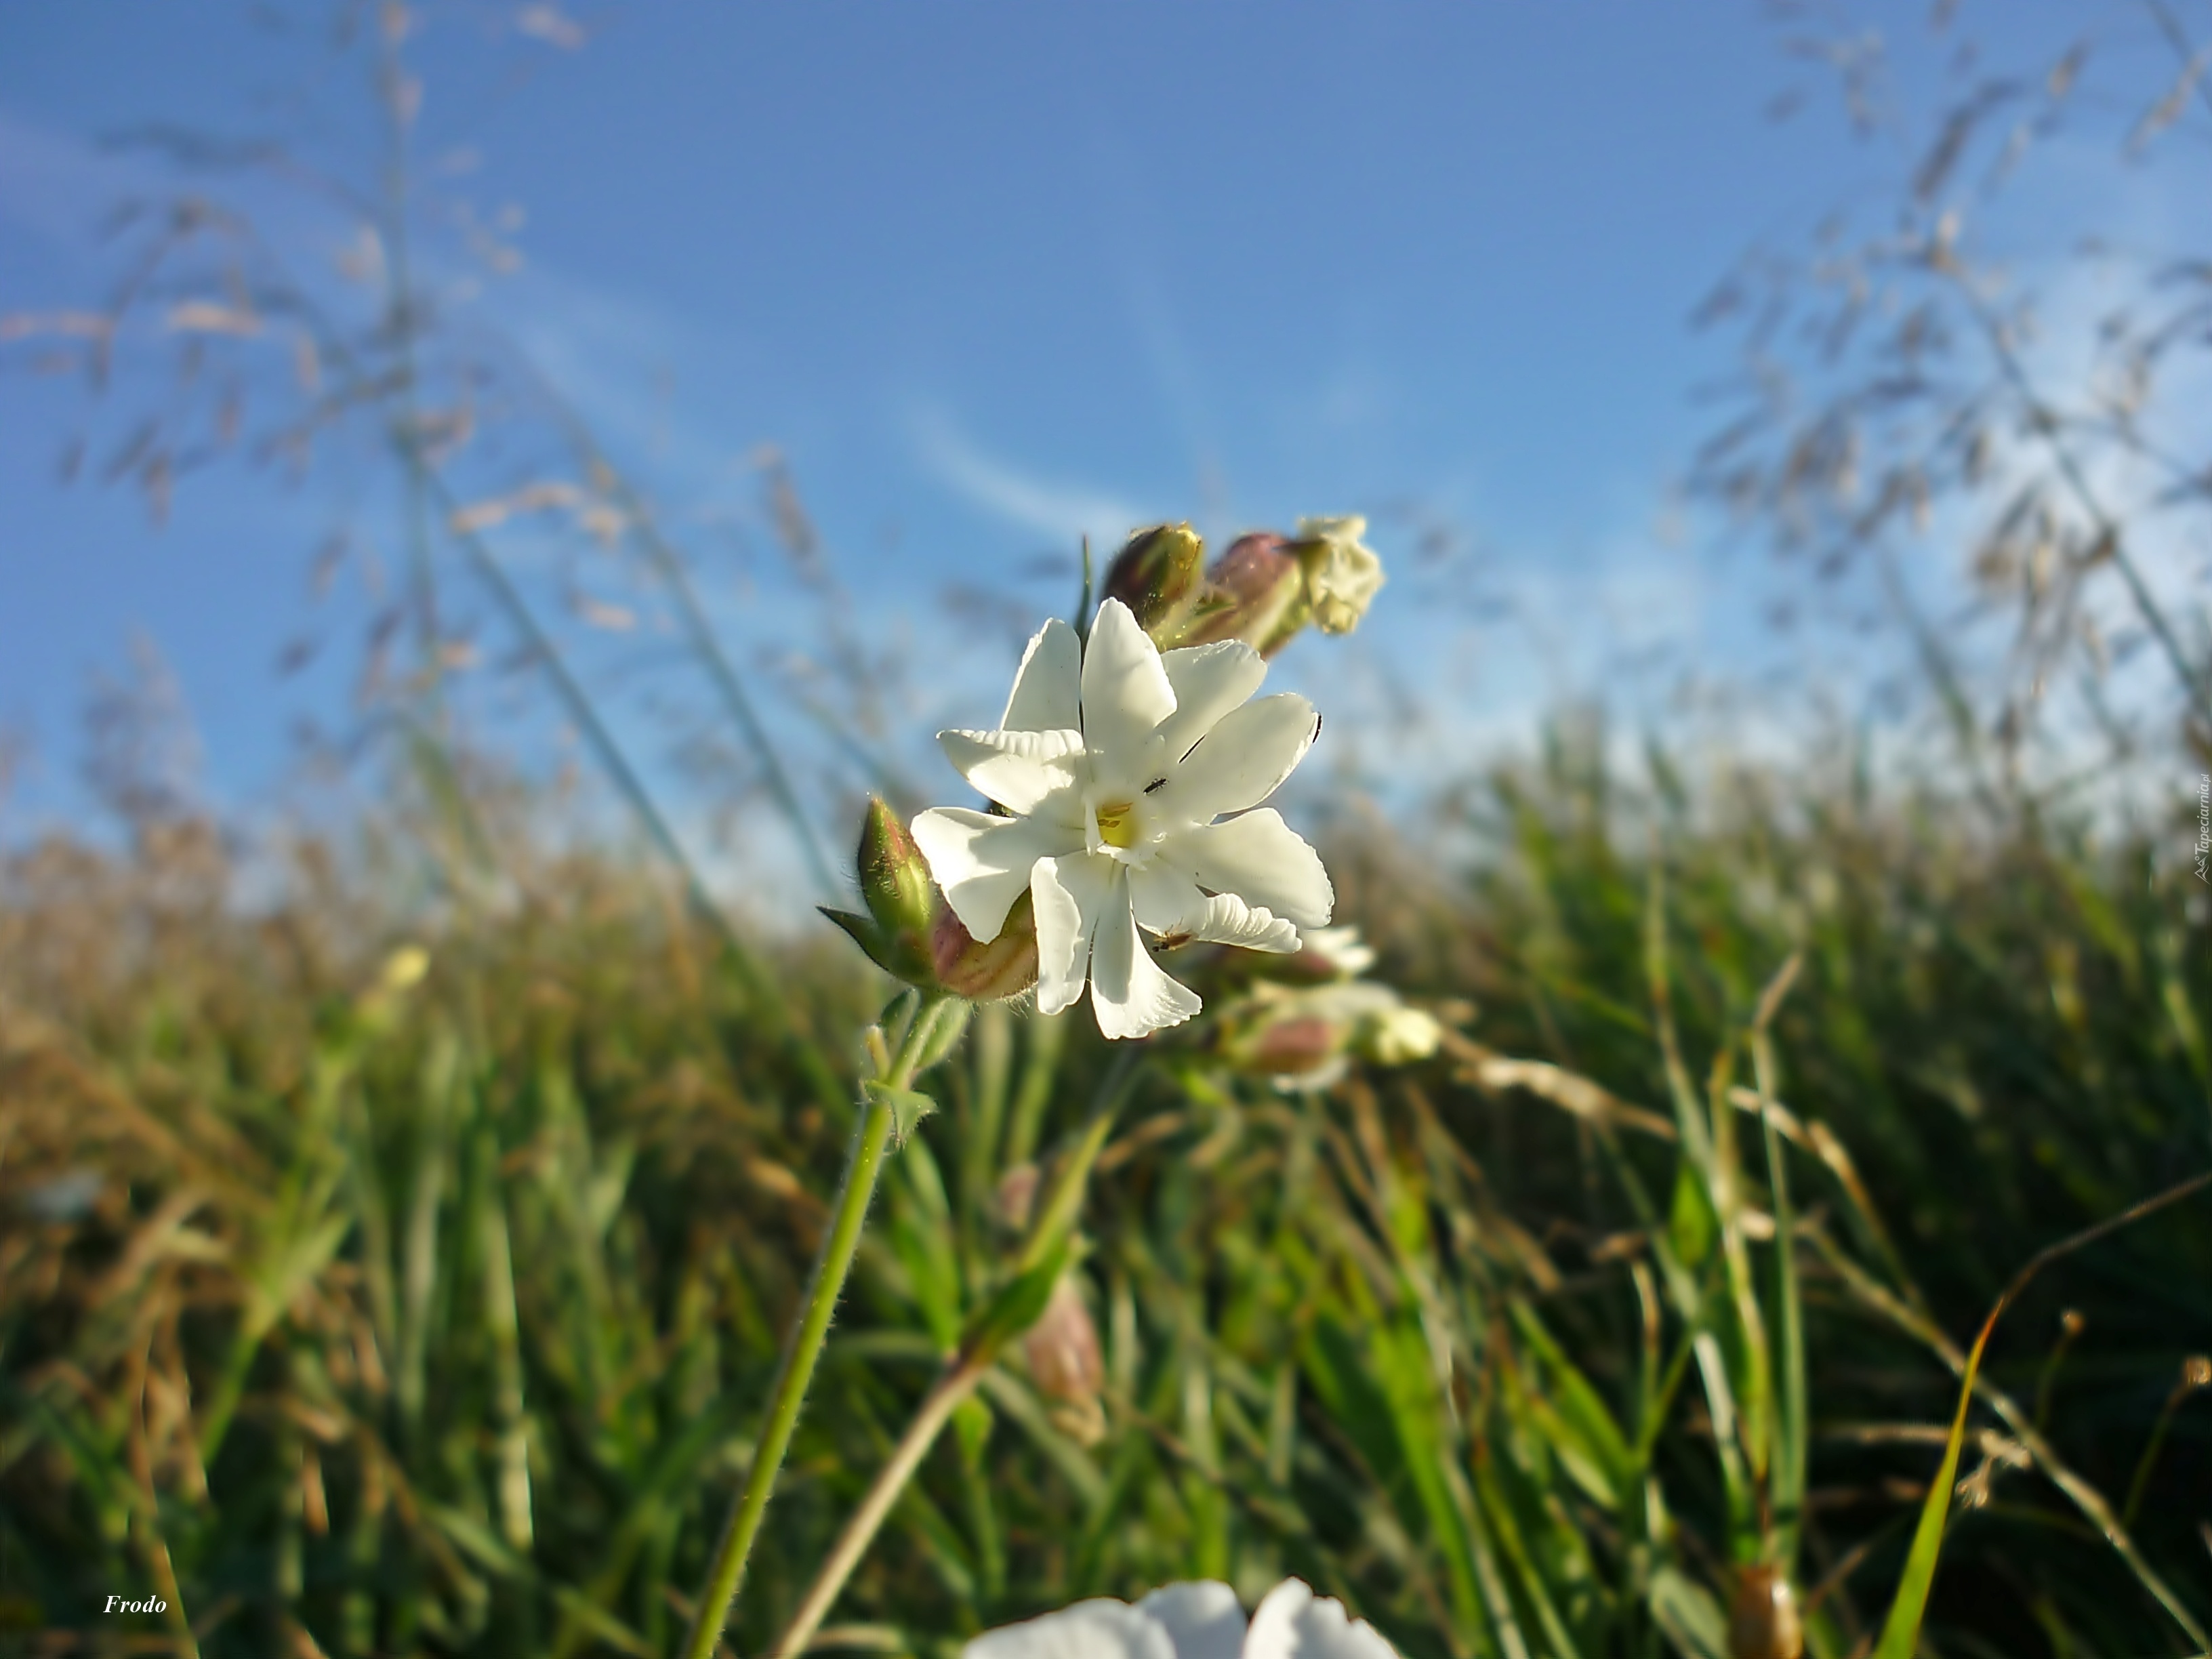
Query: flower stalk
x,y
726,1573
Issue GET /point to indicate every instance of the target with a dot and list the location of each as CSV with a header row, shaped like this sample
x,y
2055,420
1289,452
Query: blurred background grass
x,y
431,1314
404,1207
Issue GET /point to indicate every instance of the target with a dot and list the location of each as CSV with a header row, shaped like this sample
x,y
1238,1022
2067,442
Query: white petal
x,y
1126,692
1227,920
1262,861
1020,771
1201,1617
1047,686
1294,1623
1208,681
1129,993
1167,901
1247,754
1162,894
1071,893
982,862
1089,1630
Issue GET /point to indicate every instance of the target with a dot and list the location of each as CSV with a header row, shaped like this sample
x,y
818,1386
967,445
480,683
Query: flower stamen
x,y
1117,824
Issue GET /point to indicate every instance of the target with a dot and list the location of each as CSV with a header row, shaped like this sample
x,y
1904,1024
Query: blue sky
x,y
989,275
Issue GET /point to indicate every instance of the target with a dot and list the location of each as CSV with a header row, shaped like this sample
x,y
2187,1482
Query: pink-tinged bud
x,y
1297,1046
1065,1364
1255,592
1017,1194
1305,1038
1157,574
986,971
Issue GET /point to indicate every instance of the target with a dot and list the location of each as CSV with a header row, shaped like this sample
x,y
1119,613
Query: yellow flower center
x,y
1117,823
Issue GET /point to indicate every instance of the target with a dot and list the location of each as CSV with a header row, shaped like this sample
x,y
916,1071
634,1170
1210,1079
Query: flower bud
x,y
1294,1050
1341,574
904,903
1157,575
894,876
1255,592
1304,1039
1062,1350
1017,1194
988,970
911,933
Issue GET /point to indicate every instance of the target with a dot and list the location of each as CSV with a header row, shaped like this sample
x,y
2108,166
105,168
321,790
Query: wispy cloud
x,y
1050,506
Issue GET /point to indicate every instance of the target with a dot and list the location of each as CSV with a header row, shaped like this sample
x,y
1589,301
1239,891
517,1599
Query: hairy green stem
x,y
725,1574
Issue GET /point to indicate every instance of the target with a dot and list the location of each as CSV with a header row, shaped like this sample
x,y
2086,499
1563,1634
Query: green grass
x,y
439,1319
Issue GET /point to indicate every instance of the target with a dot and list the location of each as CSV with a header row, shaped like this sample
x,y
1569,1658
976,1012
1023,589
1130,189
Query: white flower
x,y
1133,782
1191,1622
1342,573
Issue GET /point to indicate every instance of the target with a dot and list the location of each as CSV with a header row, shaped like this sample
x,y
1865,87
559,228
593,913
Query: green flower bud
x,y
902,901
911,933
986,970
1157,575
894,876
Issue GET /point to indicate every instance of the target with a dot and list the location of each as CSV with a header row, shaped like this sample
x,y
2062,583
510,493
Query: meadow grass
x,y
354,1312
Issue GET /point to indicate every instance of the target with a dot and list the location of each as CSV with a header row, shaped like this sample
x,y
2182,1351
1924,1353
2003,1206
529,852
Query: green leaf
x,y
1590,1444
1900,1631
908,1107
1692,1226
1689,1615
1017,1304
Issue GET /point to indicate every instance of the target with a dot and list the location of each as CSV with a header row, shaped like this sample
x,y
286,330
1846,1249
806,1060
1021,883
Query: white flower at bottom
x,y
1197,1620
1132,781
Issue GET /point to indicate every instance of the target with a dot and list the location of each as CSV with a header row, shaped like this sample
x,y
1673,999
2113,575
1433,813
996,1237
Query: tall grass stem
x,y
936,1410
